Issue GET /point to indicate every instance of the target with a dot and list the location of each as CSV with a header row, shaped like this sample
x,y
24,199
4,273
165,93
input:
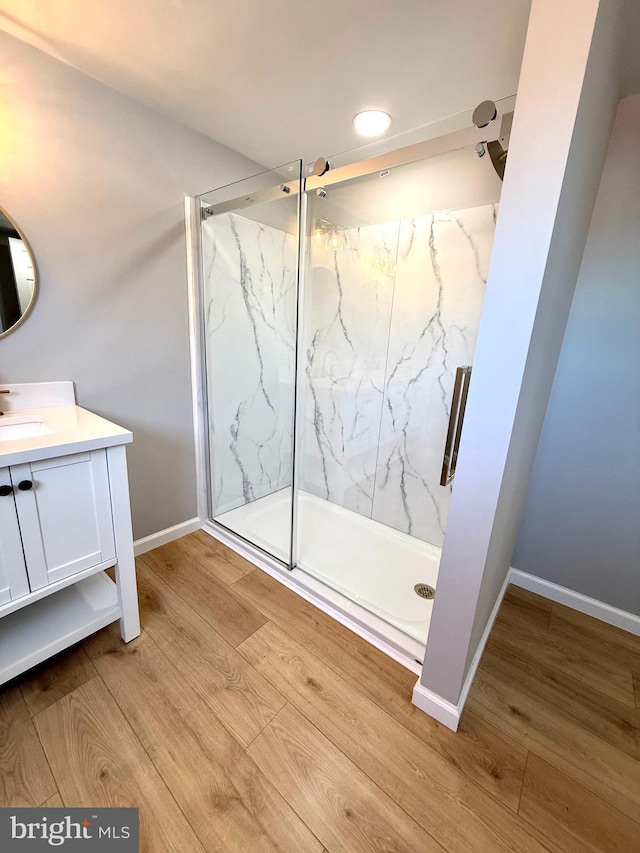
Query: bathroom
x,y
96,180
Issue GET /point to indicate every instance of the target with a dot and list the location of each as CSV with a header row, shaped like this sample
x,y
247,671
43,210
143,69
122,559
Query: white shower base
x,y
367,562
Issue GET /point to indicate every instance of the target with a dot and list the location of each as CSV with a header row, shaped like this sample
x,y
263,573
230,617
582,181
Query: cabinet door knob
x,y
5,490
25,485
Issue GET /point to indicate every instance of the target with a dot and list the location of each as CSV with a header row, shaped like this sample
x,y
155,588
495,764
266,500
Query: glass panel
x,y
250,284
397,265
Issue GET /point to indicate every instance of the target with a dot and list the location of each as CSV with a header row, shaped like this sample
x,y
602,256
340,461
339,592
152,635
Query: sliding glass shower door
x,y
397,260
250,233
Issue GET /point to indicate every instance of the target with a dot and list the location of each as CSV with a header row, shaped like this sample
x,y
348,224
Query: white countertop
x,y
74,430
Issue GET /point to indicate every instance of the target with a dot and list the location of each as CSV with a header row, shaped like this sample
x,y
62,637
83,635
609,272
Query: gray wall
x,y
96,181
581,525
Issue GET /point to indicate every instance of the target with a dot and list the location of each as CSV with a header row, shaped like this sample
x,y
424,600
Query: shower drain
x,y
424,590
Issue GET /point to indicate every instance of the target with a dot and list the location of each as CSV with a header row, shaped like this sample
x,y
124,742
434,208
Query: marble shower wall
x,y
348,304
249,301
388,320
389,315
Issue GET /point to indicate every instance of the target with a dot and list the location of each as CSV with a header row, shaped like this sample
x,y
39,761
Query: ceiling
x,y
281,79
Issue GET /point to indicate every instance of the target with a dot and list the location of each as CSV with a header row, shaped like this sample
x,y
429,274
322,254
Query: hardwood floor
x,y
243,719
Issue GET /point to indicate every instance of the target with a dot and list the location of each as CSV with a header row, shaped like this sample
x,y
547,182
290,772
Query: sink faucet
x,y
4,391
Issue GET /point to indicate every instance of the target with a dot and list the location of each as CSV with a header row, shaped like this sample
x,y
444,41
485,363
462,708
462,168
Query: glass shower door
x,y
250,247
396,265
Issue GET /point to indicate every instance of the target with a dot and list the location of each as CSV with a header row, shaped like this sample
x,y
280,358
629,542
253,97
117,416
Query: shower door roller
x,y
321,166
484,114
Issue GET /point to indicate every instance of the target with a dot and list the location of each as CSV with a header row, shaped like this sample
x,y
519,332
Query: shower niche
x,y
336,312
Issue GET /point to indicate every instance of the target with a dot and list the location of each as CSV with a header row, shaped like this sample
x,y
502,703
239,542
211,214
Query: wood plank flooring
x,y
243,719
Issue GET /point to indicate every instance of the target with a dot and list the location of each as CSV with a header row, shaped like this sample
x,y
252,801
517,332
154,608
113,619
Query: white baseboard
x,y
449,714
155,540
437,707
590,606
441,709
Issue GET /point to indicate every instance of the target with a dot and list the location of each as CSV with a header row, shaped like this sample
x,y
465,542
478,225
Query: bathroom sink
x,y
15,427
41,421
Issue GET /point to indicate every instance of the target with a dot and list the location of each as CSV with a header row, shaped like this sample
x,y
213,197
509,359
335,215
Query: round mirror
x,y
18,278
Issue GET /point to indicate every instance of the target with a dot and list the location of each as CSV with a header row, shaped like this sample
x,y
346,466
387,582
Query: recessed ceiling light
x,y
372,122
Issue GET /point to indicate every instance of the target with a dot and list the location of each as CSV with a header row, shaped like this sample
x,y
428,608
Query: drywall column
x,y
566,104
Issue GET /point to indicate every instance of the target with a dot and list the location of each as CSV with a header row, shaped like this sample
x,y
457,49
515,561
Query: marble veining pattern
x,y
390,312
443,261
249,295
387,323
347,314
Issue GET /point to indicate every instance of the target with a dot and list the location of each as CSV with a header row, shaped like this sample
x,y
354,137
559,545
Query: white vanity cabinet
x,y
63,508
64,519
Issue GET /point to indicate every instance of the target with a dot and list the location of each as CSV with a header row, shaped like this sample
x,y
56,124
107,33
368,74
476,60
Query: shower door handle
x,y
454,431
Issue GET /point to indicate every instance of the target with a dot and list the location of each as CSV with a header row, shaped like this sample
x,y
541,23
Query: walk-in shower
x,y
340,314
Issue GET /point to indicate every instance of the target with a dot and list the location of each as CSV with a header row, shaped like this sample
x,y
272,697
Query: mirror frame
x,y
36,277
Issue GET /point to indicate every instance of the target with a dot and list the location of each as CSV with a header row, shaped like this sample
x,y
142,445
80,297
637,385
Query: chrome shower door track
x,y
401,157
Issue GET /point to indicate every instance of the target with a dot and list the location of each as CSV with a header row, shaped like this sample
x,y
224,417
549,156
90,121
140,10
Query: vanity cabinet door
x,y
64,511
13,573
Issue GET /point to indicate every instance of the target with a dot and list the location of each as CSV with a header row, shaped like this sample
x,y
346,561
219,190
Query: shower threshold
x,y
351,566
